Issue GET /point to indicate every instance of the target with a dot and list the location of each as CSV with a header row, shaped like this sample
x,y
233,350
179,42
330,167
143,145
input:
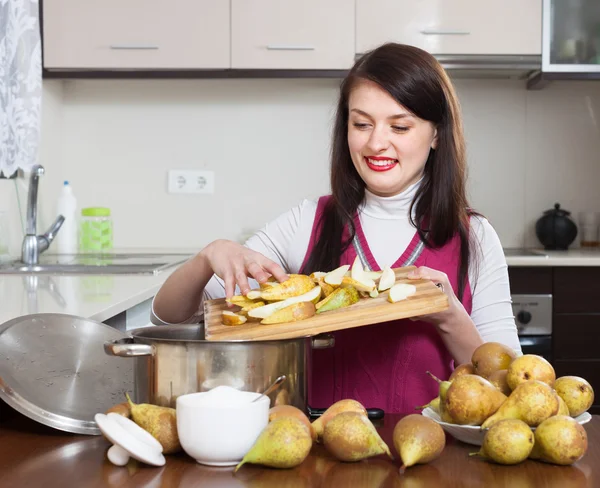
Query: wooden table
x,y
32,455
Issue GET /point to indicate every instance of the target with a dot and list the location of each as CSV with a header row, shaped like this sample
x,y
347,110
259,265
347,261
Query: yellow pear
x,y
471,399
341,297
280,411
508,441
562,407
498,379
266,310
466,368
532,402
160,422
283,443
577,393
530,367
231,318
291,313
326,288
123,409
559,440
490,357
295,285
346,405
350,436
418,440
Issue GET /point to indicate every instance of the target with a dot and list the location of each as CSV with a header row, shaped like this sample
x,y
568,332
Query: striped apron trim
x,y
363,259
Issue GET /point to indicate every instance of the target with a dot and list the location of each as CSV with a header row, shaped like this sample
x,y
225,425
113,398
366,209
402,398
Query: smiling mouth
x,y
380,164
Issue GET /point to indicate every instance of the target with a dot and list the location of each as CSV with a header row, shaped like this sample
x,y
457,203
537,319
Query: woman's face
x,y
389,145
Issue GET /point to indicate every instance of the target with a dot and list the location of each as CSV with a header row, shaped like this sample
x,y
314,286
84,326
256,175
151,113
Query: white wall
x,y
268,143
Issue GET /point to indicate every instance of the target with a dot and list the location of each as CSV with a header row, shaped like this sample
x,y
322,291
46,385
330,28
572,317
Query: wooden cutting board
x,y
427,299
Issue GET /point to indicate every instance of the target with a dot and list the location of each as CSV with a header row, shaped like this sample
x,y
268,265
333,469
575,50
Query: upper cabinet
x,y
290,34
136,34
479,27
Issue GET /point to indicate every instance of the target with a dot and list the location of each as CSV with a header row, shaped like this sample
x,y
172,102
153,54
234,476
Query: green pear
x,y
433,404
577,393
559,440
418,440
532,402
283,443
341,297
350,436
509,441
490,357
471,399
443,391
160,422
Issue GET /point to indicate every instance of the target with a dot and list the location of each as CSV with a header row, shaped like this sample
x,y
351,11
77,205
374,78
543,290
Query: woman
x,y
398,198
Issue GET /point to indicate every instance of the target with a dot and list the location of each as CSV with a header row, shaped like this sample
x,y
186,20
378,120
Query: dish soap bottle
x,y
67,207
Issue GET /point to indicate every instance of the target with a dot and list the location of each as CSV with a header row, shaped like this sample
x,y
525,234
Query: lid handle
x,y
125,348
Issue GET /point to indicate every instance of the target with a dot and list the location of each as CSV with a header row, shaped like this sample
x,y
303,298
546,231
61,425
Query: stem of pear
x,y
434,376
402,469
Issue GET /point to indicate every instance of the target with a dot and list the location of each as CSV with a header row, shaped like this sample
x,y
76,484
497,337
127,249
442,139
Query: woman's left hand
x,y
455,309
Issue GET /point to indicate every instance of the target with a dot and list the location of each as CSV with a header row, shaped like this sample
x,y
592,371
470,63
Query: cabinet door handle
x,y
285,47
445,33
138,47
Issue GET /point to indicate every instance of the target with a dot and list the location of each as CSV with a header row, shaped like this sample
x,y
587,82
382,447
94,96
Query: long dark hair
x,y
416,81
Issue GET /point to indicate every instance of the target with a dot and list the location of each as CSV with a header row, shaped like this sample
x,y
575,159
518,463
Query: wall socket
x,y
191,181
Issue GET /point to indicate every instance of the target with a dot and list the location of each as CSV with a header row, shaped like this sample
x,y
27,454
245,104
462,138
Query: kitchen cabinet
x,y
284,34
479,27
136,34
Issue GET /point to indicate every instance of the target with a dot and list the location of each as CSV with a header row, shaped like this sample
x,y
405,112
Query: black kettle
x,y
555,230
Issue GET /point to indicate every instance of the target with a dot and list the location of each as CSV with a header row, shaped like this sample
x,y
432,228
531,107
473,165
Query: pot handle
x,y
125,348
323,341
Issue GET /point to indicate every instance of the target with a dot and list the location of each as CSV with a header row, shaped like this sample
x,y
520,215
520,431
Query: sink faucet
x,y
34,245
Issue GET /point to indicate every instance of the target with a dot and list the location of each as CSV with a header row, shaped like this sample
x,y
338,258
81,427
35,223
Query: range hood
x,y
491,66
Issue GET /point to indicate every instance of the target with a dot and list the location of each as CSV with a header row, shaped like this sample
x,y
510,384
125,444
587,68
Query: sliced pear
x,y
317,276
291,313
374,293
335,277
296,285
387,280
327,289
363,285
231,318
239,300
357,270
266,310
401,291
254,294
341,297
374,275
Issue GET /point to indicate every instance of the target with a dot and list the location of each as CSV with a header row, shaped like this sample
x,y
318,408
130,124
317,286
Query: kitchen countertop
x,y
539,257
34,455
96,297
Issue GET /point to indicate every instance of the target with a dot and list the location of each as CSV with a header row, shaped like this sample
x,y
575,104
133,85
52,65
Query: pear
x,y
358,278
160,422
530,367
466,368
266,310
562,407
443,391
490,357
532,402
577,393
123,409
350,436
508,441
387,280
291,313
401,291
418,440
280,411
336,276
295,285
559,440
341,297
326,288
471,399
283,443
498,379
346,405
433,404
231,318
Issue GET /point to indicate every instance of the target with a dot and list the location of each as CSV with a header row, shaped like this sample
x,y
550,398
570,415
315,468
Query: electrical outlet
x,y
191,181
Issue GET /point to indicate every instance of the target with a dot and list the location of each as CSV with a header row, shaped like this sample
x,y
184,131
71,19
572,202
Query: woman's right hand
x,y
234,263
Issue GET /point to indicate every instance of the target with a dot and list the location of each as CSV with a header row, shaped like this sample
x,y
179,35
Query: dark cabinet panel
x,y
576,336
524,280
590,370
576,290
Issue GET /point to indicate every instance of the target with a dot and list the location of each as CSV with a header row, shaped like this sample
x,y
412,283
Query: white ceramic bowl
x,y
220,431
472,434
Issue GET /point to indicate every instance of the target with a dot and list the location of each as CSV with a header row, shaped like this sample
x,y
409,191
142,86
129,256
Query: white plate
x,y
472,434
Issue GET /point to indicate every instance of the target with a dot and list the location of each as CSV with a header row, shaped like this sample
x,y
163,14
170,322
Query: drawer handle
x,y
283,47
137,47
445,33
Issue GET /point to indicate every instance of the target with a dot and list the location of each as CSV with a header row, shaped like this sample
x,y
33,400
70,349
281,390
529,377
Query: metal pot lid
x,y
53,369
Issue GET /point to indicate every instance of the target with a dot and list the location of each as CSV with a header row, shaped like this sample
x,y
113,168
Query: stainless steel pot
x,y
174,360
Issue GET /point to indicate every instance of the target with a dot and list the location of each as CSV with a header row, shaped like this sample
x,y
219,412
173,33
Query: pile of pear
x,y
525,410
301,296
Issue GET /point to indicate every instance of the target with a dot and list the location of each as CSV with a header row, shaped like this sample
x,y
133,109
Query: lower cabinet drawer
x,y
576,336
590,370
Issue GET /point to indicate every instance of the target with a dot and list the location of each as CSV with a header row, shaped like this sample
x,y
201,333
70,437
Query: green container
x,y
95,230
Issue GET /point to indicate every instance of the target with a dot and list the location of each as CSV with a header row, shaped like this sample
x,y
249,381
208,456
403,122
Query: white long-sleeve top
x,y
387,228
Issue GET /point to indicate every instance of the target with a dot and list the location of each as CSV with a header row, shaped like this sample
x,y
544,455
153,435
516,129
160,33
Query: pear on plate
x,y
532,402
350,436
576,392
559,440
283,443
530,367
346,405
491,357
498,379
471,399
418,440
508,441
441,403
433,404
562,407
466,368
160,422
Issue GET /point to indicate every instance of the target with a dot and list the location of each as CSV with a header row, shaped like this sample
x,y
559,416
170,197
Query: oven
x,y
533,317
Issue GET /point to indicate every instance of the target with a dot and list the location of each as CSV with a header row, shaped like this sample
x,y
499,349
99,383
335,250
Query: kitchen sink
x,y
105,263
